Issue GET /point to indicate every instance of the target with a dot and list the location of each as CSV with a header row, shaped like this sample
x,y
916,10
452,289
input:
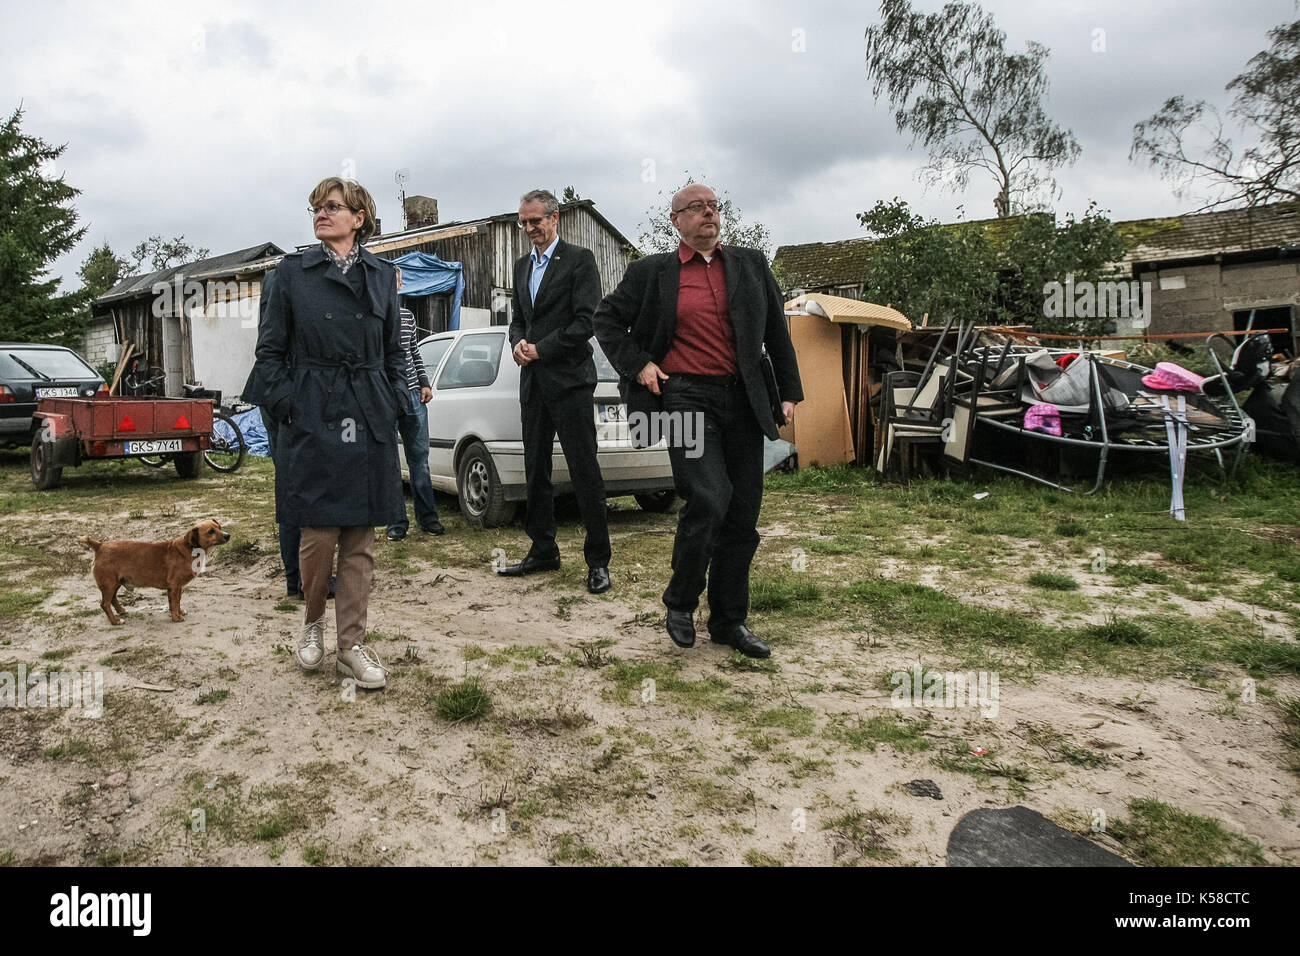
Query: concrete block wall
x,y
1213,292
95,345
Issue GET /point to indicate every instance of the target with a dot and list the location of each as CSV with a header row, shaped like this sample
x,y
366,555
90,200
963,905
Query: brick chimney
x,y
421,211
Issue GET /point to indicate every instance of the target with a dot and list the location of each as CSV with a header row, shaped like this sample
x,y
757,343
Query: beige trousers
x,y
351,590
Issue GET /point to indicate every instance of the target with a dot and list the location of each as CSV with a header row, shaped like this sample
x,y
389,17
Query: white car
x,y
476,447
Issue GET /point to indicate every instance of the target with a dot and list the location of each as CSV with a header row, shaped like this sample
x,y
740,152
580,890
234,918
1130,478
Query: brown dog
x,y
169,565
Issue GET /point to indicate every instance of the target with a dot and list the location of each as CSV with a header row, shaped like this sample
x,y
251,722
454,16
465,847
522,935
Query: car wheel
x,y
658,502
482,499
44,477
189,464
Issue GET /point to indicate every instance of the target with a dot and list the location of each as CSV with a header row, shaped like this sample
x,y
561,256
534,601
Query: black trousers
x,y
718,471
571,415
290,534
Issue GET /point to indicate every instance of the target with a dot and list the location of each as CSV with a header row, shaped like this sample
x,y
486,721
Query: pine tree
x,y
39,225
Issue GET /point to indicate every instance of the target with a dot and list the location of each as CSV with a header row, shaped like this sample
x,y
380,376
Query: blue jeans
x,y
414,428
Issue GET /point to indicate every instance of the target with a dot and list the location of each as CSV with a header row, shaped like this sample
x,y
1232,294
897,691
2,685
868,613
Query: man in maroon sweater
x,y
686,331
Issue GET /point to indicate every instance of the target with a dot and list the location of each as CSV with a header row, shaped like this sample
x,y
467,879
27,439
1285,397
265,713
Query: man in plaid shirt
x,y
414,428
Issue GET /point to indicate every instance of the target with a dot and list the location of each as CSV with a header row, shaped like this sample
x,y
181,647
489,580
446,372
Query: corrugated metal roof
x,y
210,268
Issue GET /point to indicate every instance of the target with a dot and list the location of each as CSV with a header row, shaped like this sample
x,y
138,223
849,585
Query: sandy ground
x,y
571,766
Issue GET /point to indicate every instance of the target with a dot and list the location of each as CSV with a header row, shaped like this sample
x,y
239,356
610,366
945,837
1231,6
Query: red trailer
x,y
72,430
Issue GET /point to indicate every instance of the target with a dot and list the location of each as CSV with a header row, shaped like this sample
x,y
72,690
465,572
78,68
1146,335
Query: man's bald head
x,y
696,217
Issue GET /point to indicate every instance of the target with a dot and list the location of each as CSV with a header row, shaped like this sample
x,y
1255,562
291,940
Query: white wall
x,y
224,337
475,318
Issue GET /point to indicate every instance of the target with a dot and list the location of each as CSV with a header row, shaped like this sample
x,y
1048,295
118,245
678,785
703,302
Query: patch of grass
x,y
20,604
794,720
651,678
59,653
904,734
286,606
1069,528
1116,630
759,858
73,748
315,854
909,608
594,654
781,591
468,699
1261,656
565,603
522,652
212,697
1137,574
862,834
564,717
570,849
269,811
1051,581
472,652
959,759
1158,834
1083,758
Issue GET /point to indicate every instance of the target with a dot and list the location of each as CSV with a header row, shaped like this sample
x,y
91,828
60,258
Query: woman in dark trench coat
x,y
331,374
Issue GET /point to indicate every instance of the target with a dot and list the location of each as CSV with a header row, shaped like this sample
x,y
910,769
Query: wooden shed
x,y
487,249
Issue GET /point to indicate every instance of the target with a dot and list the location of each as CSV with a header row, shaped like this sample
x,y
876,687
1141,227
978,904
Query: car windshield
x,y
52,363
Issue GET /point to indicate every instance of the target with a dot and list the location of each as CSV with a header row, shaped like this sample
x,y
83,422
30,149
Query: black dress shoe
x,y
743,640
396,534
598,580
433,527
681,627
530,565
295,592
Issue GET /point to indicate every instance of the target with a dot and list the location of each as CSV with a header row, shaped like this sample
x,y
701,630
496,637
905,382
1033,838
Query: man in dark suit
x,y
685,330
556,290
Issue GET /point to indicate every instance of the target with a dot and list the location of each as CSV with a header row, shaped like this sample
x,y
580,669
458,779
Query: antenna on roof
x,y
402,177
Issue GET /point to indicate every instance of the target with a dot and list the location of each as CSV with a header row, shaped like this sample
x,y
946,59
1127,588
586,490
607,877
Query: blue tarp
x,y
254,432
423,273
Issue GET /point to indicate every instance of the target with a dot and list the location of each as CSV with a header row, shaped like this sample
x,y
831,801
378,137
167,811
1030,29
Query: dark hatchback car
x,y
29,373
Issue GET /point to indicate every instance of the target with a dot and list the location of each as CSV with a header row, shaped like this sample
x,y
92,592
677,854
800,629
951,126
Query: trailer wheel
x,y
189,464
44,476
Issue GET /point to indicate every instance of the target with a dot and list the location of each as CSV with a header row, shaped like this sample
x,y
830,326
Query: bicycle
x,y
227,448
138,384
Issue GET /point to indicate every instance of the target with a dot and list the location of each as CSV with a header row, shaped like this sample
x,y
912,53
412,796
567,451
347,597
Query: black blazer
x,y
558,323
636,323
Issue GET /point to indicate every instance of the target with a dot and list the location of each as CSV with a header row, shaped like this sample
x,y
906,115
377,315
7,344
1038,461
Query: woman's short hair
x,y
355,197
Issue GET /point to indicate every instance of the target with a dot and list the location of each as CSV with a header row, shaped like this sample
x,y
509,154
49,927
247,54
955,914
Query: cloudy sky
x,y
214,120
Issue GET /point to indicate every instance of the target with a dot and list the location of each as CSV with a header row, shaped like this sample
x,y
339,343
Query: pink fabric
x,y
1043,417
1173,378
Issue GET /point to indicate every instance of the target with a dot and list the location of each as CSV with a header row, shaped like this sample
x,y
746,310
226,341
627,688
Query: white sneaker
x,y
311,646
362,664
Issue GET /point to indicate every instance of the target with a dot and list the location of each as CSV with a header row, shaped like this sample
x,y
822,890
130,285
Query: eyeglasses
x,y
333,208
532,223
697,207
